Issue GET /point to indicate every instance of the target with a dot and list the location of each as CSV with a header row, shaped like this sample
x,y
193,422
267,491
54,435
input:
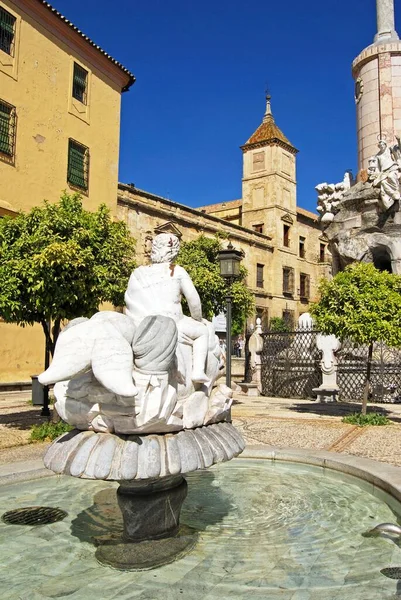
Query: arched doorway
x,y
382,259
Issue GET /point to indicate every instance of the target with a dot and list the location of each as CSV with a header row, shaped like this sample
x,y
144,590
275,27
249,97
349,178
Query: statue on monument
x,y
388,173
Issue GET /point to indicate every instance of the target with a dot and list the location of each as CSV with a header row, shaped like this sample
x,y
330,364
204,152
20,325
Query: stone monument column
x,y
377,75
385,22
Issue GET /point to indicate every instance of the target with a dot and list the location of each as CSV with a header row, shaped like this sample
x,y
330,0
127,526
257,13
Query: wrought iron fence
x,y
291,368
290,364
385,380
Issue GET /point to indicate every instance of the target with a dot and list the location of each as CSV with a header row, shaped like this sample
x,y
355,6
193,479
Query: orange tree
x,y
361,304
60,261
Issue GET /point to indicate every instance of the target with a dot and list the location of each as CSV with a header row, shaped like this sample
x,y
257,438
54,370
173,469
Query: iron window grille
x,y
7,31
288,280
78,165
259,275
304,285
80,84
8,119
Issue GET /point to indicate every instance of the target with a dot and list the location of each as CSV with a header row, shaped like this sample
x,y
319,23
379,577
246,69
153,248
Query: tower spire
x,y
268,112
385,22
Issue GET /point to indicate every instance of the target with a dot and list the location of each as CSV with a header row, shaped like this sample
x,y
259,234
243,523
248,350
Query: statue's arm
x,y
189,292
128,291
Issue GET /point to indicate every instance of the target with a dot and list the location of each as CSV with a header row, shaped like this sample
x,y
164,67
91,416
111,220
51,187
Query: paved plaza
x,y
276,422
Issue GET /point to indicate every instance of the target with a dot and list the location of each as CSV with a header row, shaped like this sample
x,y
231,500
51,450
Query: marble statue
x,y
364,224
330,195
388,174
158,289
328,345
152,369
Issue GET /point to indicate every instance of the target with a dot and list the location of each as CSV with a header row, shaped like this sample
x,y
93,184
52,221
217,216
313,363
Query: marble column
x,y
385,22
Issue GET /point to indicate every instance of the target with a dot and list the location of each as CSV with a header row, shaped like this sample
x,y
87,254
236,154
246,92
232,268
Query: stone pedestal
x,y
151,510
152,535
326,394
250,389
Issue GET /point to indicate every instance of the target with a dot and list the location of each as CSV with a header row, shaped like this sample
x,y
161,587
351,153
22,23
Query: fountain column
x,y
377,75
385,22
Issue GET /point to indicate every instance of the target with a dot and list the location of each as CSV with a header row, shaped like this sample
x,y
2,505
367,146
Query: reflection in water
x,y
206,505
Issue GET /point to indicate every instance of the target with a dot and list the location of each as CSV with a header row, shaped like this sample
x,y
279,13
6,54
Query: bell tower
x,y
269,178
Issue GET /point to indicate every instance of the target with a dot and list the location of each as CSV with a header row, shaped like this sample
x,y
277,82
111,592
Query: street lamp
x,y
229,269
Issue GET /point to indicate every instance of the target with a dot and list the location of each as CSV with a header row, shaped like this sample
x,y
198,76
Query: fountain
x,y
140,389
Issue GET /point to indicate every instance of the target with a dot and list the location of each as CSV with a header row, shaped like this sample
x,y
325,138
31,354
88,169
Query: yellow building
x,y
60,98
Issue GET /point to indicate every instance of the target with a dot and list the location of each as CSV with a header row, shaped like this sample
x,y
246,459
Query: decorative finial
x,y
268,112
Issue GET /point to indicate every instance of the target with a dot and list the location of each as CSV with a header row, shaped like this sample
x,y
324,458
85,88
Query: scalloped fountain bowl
x,y
264,529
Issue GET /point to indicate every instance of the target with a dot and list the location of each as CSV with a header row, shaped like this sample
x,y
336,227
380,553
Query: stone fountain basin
x,y
249,525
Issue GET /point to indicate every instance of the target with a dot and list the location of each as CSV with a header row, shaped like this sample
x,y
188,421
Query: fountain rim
x,y
382,475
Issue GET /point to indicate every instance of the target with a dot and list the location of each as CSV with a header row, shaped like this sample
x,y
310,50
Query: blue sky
x,y
202,68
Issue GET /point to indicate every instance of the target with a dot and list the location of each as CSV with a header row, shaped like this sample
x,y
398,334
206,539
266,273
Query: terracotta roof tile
x,y
307,213
268,132
91,42
209,208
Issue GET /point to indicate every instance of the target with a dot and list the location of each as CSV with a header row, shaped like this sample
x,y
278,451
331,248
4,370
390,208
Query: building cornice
x,y
271,142
201,220
64,30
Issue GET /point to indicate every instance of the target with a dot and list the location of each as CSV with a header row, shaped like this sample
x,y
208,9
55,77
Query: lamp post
x,y
229,259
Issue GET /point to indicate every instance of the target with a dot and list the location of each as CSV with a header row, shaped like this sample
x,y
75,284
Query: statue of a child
x,y
157,289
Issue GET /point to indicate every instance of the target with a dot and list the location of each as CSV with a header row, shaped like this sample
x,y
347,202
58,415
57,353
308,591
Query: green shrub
x,y
47,432
372,418
278,324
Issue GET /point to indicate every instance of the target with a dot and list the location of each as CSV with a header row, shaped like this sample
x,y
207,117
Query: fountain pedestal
x,y
151,509
152,534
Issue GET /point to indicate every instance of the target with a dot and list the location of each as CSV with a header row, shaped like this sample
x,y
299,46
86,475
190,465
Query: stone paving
x,y
278,422
307,424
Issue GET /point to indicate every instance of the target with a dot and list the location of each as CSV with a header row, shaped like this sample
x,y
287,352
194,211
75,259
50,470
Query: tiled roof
x,y
91,42
268,132
307,213
209,208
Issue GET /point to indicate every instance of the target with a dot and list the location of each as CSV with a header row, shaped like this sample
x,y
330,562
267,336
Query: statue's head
x,y
382,144
165,248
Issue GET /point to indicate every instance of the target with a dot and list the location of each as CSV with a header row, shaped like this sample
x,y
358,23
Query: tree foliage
x,y
361,304
200,259
278,324
364,305
60,261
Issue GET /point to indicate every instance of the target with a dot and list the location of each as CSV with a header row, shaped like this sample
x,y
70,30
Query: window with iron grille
x,y
78,165
7,128
259,275
7,32
288,318
301,247
288,280
80,83
304,285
